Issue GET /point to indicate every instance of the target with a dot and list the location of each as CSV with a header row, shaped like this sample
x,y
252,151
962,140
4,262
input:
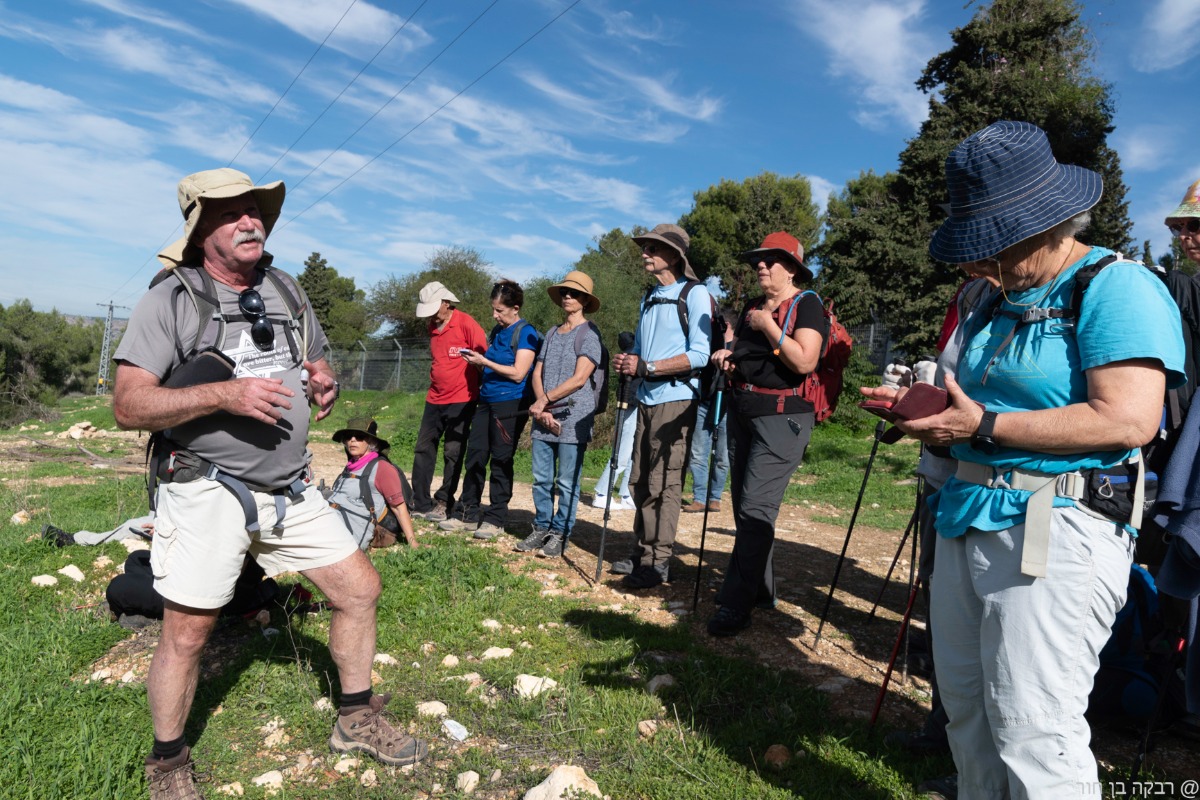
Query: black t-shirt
x,y
758,365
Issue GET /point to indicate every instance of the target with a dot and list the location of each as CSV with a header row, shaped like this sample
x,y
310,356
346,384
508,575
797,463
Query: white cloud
x,y
1148,147
658,92
624,25
1167,38
364,29
879,48
821,189
148,15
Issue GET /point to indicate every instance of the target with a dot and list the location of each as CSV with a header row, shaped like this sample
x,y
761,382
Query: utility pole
x,y
102,376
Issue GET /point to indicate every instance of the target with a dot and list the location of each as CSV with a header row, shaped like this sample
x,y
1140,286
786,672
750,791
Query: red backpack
x,y
823,386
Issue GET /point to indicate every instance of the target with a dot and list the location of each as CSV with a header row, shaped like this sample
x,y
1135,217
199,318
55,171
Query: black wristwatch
x,y
982,440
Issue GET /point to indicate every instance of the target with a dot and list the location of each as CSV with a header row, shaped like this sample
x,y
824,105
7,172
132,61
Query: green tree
x,y
462,270
338,304
43,356
730,218
1016,59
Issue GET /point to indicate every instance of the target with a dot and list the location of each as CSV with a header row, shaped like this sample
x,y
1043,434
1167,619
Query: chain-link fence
x,y
875,341
383,365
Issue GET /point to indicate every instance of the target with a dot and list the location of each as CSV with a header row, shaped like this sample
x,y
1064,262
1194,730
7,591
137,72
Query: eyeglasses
x,y
251,304
650,249
570,294
362,437
1178,228
769,260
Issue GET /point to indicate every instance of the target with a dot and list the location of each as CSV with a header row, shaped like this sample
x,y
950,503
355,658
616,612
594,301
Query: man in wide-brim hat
x,y
667,356
238,458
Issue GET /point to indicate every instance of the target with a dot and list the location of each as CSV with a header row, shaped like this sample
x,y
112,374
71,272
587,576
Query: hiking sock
x,y
347,701
168,749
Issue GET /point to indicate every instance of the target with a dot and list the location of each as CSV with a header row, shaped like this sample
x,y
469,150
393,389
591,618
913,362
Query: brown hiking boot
x,y
365,728
173,778
693,508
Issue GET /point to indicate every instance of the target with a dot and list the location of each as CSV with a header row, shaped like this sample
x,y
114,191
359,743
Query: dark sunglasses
x,y
251,304
1191,226
650,249
570,293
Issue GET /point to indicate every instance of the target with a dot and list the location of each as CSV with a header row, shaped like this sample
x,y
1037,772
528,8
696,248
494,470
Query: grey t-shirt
x,y
558,361
268,455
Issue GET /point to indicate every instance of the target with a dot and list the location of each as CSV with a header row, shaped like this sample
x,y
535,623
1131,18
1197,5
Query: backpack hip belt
x,y
184,466
781,394
1045,487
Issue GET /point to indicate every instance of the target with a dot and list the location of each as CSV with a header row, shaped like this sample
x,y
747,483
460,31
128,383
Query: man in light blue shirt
x,y
670,347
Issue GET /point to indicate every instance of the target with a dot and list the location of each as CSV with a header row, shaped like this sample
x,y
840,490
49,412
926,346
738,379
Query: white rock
x,y
833,686
455,730
101,674
232,789
73,572
19,518
269,632
466,781
564,781
369,779
102,562
450,661
660,682
276,739
647,728
529,686
346,765
132,545
323,704
270,780
496,774
274,724
497,652
428,648
491,624
129,677
44,580
384,658
432,708
263,618
489,588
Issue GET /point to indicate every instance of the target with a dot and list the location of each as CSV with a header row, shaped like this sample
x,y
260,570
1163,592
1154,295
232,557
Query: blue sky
x,y
612,116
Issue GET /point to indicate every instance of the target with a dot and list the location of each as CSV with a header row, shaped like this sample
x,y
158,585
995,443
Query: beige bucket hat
x,y
580,282
214,184
674,237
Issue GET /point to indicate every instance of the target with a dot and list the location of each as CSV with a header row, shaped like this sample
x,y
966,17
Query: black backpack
x,y
601,375
716,341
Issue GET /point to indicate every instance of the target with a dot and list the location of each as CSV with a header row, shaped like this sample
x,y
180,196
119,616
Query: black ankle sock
x,y
351,700
169,748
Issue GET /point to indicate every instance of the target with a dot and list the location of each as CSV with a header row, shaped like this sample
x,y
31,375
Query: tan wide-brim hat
x,y
217,184
580,282
673,237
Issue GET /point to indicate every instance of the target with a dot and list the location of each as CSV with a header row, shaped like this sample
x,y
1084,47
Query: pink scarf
x,y
357,466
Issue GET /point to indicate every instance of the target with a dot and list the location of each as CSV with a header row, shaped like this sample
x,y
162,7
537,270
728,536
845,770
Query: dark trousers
x,y
661,444
495,431
763,454
452,420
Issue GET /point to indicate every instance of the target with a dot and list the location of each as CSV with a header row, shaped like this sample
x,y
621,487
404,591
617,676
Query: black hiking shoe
x,y
919,743
625,566
728,621
531,542
553,546
57,536
646,576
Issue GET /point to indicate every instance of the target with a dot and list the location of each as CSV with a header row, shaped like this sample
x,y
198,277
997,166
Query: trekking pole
x,y
895,560
849,530
714,414
887,675
625,342
912,573
1147,744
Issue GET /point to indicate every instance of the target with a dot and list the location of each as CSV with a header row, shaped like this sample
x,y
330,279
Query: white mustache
x,y
241,237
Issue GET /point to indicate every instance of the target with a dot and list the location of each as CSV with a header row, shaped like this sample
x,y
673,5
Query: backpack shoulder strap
x,y
295,301
202,291
1083,279
364,485
682,306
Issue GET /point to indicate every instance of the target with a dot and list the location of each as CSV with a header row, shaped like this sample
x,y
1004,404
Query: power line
x,y
171,237
293,83
431,115
345,89
379,111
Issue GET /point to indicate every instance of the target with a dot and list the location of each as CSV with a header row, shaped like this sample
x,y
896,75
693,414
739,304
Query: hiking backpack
x,y
601,374
527,398
822,387
716,341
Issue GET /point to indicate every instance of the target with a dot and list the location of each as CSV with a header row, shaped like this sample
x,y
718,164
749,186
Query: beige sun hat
x,y
430,298
578,281
216,184
673,237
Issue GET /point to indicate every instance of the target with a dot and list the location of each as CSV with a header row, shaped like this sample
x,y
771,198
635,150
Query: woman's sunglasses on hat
x,y
251,304
1189,226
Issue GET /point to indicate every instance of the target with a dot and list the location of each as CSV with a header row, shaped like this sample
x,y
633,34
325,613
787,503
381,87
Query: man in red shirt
x,y
450,401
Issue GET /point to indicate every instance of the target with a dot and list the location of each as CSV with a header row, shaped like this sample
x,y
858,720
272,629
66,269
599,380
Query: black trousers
x,y
763,454
495,431
453,420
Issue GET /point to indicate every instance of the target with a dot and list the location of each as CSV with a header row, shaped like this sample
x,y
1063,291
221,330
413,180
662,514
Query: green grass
x,y
63,737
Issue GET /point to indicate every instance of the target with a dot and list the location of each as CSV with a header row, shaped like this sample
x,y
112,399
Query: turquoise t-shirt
x,y
495,388
1127,314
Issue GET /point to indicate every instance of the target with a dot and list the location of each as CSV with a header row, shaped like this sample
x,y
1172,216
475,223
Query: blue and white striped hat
x,y
1006,186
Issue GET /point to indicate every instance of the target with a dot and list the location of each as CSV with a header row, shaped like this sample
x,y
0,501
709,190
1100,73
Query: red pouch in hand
x,y
921,400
